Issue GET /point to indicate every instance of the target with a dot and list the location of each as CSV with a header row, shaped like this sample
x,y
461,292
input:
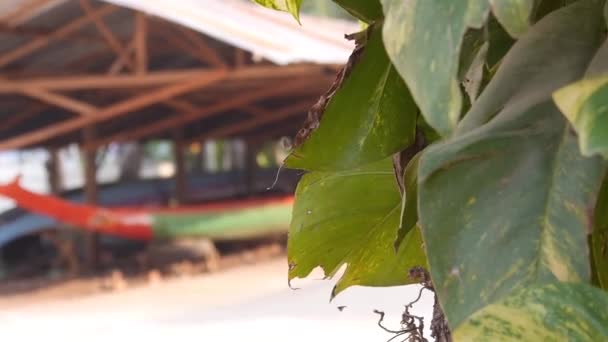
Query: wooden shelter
x,y
93,72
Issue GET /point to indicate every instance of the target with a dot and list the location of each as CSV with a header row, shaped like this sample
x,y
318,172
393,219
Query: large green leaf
x,y
352,217
514,15
585,104
366,10
370,117
291,6
530,72
554,312
514,190
423,39
599,238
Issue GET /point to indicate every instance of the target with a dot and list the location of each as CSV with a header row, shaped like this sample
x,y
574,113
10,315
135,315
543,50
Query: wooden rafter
x,y
103,81
43,33
261,117
140,46
62,101
201,113
63,31
14,120
107,34
112,111
180,42
181,106
201,45
240,57
123,60
24,11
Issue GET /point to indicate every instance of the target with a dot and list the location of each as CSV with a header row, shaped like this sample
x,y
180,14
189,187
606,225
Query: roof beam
x,y
16,17
61,32
121,108
201,113
139,40
103,81
14,120
261,117
34,32
106,33
199,43
61,101
180,42
123,60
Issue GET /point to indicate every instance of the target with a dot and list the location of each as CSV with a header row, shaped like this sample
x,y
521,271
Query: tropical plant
x,y
467,139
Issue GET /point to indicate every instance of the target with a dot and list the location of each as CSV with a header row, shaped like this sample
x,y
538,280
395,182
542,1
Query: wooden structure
x,y
93,73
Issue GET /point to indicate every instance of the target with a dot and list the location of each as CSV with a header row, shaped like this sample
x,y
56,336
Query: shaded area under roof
x,y
209,68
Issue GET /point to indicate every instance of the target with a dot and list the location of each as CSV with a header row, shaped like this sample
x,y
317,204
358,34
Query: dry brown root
x,y
412,327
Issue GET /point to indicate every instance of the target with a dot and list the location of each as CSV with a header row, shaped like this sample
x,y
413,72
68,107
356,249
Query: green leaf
x,y
554,312
369,118
409,205
291,6
585,104
365,10
530,73
514,15
423,40
599,238
606,13
352,217
474,76
514,189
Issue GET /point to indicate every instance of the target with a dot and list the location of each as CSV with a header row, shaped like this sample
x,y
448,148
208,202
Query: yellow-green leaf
x,y
599,238
291,6
351,218
514,15
585,104
554,312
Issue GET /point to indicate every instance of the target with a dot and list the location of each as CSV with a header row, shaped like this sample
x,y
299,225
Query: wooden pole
x,y
159,78
54,171
251,167
61,101
141,48
90,189
180,166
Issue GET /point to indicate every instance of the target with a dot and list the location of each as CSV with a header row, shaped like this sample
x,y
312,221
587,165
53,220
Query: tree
x,y
493,115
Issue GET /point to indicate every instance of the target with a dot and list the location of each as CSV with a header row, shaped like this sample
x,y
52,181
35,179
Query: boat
x,y
218,208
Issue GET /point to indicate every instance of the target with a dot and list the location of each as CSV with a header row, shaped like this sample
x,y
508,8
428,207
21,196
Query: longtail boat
x,y
138,220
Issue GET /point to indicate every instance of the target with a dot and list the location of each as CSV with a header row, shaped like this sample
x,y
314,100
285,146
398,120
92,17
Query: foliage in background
x,y
468,138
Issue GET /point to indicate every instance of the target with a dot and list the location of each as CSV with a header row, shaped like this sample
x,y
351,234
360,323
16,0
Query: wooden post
x,y
141,49
54,171
90,189
180,167
251,167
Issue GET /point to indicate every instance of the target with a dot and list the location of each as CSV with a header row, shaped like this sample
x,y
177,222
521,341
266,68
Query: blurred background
x,y
148,138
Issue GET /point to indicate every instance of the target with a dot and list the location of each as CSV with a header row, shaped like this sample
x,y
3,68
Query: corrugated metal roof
x,y
275,36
